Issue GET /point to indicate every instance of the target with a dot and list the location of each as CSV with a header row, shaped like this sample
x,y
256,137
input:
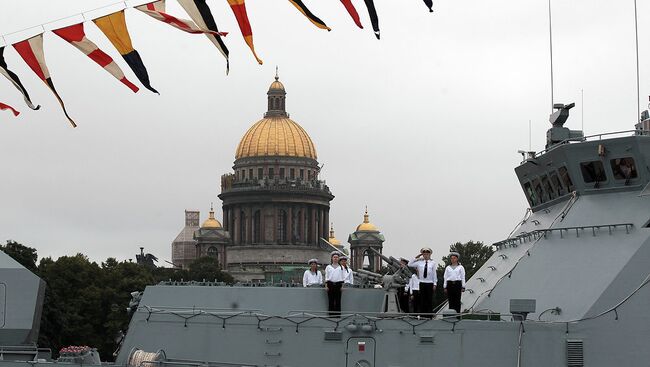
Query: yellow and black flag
x,y
114,27
374,19
312,18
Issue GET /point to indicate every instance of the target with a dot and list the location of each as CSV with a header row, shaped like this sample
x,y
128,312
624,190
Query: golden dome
x,y
332,239
276,136
366,225
276,85
211,222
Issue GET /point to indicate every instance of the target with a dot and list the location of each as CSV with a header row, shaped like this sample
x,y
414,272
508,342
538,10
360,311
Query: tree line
x,y
86,302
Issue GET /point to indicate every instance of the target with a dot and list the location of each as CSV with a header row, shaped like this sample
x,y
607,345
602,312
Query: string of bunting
x,y
114,27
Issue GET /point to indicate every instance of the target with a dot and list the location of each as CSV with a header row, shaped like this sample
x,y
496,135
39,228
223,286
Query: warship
x,y
567,287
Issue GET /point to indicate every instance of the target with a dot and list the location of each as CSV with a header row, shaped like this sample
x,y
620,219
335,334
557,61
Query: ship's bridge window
x,y
624,168
593,172
566,179
530,194
557,184
549,193
539,191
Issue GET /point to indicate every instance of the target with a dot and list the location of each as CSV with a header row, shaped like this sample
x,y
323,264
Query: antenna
x,y
550,39
638,93
582,109
530,141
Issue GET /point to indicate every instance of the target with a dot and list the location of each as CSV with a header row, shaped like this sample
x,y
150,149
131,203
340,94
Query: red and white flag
x,y
7,107
31,50
157,11
76,36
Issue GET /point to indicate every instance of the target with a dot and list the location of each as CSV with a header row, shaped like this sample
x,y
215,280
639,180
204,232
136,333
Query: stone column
x,y
326,223
249,225
237,215
313,226
289,228
262,224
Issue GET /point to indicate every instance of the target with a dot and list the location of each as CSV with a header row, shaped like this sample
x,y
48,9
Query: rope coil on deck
x,y
139,358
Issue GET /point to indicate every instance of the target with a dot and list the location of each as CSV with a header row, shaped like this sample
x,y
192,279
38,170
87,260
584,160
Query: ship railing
x,y
592,138
536,234
196,363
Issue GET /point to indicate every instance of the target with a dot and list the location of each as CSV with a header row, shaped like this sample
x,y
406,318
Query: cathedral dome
x,y
211,222
276,136
366,225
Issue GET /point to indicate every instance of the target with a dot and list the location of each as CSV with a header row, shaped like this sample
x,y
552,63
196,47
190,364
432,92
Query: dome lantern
x,y
276,98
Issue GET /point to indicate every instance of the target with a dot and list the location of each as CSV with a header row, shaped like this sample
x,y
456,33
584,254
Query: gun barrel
x,y
368,273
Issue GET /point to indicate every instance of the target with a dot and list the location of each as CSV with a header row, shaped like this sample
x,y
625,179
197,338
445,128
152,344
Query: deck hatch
x,y
575,353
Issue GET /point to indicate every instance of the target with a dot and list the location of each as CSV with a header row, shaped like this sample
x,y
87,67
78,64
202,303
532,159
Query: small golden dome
x,y
332,239
211,222
276,136
276,85
366,225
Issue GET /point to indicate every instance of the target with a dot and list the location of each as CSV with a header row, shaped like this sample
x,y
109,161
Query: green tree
x,y
473,255
26,256
208,269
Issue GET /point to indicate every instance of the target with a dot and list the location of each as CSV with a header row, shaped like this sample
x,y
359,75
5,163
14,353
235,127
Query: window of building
x,y
250,173
624,168
309,175
539,191
260,173
557,184
302,174
292,173
566,179
271,172
549,193
593,172
281,172
212,251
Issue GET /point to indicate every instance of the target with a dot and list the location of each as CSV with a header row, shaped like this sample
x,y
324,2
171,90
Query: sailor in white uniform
x,y
414,293
348,277
312,276
426,270
454,281
333,283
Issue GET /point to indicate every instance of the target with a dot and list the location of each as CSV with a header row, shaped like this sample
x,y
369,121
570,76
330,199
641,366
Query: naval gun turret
x,y
398,275
558,133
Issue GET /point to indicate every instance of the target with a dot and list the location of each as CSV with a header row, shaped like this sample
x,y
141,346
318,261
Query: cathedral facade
x,y
275,207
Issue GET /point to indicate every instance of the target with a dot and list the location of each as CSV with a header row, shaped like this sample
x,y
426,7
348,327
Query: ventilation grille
x,y
333,335
426,339
575,353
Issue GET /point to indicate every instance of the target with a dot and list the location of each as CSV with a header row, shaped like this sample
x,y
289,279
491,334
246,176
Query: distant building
x,y
366,237
184,245
275,207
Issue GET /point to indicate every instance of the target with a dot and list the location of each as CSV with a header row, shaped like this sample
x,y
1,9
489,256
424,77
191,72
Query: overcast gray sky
x,y
422,126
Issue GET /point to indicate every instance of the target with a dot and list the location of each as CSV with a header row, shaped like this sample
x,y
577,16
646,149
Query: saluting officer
x,y
428,280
